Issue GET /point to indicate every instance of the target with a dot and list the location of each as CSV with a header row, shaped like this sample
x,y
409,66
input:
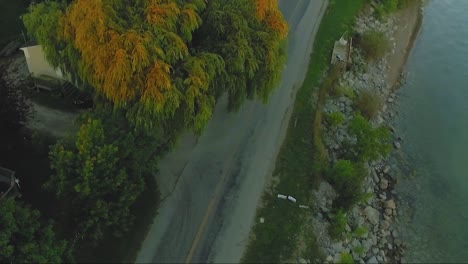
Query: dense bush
x,y
374,45
370,144
368,104
334,119
346,258
347,179
338,225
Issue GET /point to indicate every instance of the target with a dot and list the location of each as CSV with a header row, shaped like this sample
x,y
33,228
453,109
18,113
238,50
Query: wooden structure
x,y
341,55
9,184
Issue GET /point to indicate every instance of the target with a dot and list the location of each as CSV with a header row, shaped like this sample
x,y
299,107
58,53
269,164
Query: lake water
x,y
433,122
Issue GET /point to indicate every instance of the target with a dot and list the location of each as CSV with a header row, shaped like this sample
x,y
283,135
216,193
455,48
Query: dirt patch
x,y
407,21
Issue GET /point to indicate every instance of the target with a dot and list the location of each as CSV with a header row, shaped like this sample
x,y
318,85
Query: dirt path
x,y
57,123
215,182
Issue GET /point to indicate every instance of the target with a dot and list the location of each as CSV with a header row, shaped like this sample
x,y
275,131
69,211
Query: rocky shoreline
x,y
378,215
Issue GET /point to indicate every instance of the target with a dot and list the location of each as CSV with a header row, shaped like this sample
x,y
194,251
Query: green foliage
x,y
347,179
165,61
368,104
371,143
24,239
359,250
337,225
346,258
339,91
361,231
374,45
91,173
334,119
275,240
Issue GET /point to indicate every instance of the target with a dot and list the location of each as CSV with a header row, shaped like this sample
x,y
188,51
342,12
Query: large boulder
x,y
372,215
390,204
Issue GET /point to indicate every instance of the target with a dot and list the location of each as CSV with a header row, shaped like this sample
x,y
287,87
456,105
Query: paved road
x,y
211,185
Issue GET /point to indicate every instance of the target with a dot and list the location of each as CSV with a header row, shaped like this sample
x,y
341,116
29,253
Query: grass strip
x,y
275,240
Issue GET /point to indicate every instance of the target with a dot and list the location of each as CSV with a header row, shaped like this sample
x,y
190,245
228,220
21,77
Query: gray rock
x,y
302,261
394,212
388,212
386,169
380,259
395,233
375,251
383,184
361,261
337,247
383,196
397,145
372,260
385,224
329,258
390,100
386,217
356,243
348,228
372,215
390,204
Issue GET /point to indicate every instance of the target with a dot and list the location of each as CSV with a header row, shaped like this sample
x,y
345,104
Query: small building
x,y
341,55
9,184
45,76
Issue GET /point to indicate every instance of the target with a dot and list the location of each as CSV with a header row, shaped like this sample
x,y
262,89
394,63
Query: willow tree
x,y
164,60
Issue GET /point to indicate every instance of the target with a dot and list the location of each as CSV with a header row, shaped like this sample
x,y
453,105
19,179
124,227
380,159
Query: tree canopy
x,y
24,239
165,59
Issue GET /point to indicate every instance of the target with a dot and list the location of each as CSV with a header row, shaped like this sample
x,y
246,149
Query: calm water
x,y
433,120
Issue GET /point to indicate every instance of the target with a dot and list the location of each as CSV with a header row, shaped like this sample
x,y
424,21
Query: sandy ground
x,y
407,23
216,181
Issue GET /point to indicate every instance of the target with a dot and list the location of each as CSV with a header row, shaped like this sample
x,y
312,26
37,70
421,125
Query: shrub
x,y
347,179
361,231
359,250
346,258
368,104
371,143
374,45
334,119
339,91
338,225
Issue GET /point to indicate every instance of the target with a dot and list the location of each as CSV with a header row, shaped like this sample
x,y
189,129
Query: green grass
x,y
10,11
275,240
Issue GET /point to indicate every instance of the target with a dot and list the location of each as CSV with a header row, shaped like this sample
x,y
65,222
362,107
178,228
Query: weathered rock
x,y
385,224
395,233
380,259
397,145
375,251
390,246
372,215
348,228
386,169
388,212
337,247
390,204
372,260
329,258
383,184
302,261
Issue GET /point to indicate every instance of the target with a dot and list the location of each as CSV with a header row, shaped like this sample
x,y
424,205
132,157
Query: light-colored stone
x,y
395,233
386,169
372,215
379,259
337,247
372,260
383,184
388,212
302,261
397,145
348,228
329,258
385,224
390,204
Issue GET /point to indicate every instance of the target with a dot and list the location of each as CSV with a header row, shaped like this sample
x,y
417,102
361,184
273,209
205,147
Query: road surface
x,y
211,185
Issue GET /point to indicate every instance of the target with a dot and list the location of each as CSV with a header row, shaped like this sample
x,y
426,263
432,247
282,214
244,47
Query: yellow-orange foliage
x,y
115,60
267,11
